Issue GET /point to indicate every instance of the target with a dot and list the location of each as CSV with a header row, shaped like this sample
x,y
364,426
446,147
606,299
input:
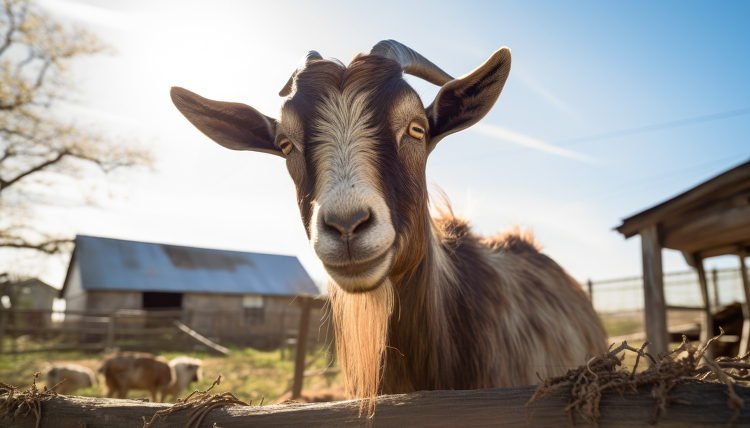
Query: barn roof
x,y
114,264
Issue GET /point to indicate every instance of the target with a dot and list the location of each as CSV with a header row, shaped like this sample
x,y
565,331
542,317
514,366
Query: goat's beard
x,y
361,324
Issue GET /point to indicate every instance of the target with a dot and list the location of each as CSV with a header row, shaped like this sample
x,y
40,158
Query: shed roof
x,y
711,219
114,264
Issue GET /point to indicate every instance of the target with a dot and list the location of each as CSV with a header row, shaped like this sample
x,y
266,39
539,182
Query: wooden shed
x,y
33,296
709,220
233,296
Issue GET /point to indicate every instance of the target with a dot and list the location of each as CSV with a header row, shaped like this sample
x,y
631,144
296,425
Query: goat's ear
x,y
463,102
233,125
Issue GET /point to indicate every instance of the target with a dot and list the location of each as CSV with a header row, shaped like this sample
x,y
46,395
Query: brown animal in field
x,y
124,371
72,376
187,370
418,303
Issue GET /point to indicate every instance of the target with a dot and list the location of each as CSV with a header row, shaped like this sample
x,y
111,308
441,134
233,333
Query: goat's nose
x,y
347,223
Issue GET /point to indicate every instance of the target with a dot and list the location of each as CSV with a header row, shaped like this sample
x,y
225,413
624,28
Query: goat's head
x,y
356,140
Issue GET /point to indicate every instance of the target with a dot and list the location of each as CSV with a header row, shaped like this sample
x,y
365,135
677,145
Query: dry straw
x,y
602,374
200,404
30,400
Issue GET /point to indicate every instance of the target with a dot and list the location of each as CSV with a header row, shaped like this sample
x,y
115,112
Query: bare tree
x,y
36,146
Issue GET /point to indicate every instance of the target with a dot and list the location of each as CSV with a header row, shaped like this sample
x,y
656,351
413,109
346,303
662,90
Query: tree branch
x,y
32,139
40,78
53,246
12,28
5,184
24,63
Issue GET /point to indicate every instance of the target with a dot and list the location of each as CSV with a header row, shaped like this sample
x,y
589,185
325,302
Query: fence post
x,y
3,325
111,331
591,291
299,360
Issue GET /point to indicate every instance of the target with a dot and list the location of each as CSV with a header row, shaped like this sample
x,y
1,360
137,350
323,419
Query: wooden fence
x,y
145,330
692,403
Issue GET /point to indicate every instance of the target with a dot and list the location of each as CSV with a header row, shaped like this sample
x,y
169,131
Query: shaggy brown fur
x,y
124,371
486,312
452,310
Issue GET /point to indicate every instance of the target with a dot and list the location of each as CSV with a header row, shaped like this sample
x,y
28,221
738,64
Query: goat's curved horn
x,y
411,62
311,56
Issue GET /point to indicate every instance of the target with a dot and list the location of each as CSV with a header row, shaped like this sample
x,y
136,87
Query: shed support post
x,y
299,360
591,291
707,326
653,291
745,340
715,280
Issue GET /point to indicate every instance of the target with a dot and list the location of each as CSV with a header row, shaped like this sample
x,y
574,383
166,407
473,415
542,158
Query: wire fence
x,y
619,302
680,289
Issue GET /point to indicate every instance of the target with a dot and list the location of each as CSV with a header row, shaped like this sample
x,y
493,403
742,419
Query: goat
x,y
74,377
418,303
124,371
186,370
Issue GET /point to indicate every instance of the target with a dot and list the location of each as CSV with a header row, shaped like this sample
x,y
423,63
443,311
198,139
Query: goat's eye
x,y
286,146
416,130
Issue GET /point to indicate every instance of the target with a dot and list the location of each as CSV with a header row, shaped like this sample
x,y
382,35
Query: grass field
x,y
247,373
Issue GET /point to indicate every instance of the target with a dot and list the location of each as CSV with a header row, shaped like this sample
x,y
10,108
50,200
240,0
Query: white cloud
x,y
544,93
93,14
77,111
524,140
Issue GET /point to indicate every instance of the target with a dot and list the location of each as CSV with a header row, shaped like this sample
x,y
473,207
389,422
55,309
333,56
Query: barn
x,y
233,296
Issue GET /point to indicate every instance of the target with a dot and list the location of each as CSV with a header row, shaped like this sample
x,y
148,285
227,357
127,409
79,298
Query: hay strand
x,y
199,404
30,400
604,373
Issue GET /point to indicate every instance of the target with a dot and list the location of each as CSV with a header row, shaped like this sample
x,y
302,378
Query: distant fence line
x,y
155,329
680,289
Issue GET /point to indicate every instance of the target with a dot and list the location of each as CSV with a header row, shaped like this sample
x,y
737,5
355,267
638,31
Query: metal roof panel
x,y
114,264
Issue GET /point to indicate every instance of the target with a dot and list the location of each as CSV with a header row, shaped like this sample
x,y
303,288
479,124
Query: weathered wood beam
x,y
299,360
745,340
3,325
719,187
713,230
215,347
694,403
715,281
684,308
707,326
653,291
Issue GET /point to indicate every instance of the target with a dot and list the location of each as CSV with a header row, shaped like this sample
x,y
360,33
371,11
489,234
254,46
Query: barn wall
x,y
223,318
219,317
211,302
75,295
99,300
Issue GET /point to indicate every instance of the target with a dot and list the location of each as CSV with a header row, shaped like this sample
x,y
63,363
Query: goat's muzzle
x,y
355,244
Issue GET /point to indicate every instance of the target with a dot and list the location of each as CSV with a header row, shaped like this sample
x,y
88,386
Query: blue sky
x,y
580,69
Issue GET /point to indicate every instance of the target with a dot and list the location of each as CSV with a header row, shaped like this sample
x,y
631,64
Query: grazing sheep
x,y
187,370
75,377
124,371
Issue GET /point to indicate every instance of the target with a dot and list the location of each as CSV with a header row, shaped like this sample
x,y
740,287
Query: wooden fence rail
x,y
478,408
238,327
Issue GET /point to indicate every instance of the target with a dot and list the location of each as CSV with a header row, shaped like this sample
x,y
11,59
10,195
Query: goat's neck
x,y
420,321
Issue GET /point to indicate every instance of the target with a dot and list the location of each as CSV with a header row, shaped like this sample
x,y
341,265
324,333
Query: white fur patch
x,y
348,182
